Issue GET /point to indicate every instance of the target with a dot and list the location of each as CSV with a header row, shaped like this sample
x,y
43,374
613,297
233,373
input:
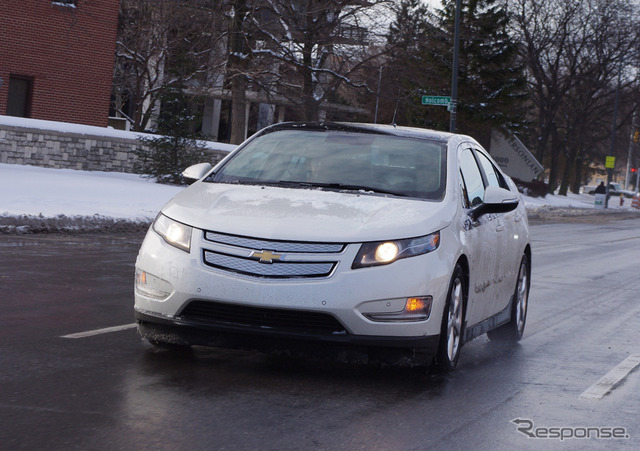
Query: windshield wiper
x,y
330,186
348,187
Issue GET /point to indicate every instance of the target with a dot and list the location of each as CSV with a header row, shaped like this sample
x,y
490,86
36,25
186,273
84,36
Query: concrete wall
x,y
72,146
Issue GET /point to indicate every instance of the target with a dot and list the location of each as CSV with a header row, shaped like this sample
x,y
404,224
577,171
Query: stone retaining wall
x,y
71,146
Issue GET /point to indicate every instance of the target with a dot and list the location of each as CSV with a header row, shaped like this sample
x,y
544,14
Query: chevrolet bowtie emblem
x,y
266,256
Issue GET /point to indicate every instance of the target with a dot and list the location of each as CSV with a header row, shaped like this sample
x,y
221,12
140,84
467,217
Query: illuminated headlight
x,y
415,309
151,286
385,252
173,232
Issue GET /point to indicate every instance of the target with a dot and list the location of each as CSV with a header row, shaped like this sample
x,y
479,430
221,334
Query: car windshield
x,y
340,160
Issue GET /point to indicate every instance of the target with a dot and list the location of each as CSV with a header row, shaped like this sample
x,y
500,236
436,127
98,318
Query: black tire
x,y
514,329
452,321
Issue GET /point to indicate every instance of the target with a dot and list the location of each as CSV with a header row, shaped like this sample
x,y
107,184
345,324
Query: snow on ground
x,y
30,190
59,198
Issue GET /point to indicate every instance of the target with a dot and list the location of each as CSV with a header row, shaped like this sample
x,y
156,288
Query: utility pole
x,y
454,75
632,141
375,117
613,134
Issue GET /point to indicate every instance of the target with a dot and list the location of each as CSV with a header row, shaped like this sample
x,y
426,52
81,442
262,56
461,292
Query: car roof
x,y
406,132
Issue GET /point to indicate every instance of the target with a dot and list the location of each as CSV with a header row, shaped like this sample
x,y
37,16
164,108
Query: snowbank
x,y
43,199
79,129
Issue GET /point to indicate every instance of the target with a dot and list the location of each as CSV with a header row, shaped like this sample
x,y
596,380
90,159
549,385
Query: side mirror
x,y
197,171
496,200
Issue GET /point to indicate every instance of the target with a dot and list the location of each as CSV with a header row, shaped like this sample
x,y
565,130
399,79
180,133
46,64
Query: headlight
x,y
385,252
173,232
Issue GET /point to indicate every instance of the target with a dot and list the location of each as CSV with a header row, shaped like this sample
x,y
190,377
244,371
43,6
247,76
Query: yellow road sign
x,y
610,162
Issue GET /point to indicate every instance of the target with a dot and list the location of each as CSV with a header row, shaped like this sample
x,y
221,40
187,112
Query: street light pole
x,y
454,75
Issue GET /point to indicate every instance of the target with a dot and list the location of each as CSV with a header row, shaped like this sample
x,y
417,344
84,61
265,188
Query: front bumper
x,y
346,296
398,351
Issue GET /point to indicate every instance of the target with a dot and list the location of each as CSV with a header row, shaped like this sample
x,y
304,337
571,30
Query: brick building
x,y
56,59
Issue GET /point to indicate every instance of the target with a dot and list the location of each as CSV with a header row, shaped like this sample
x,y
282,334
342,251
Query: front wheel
x,y
513,330
451,329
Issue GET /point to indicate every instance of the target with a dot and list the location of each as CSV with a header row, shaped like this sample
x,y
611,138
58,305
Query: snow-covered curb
x,y
47,200
548,213
29,224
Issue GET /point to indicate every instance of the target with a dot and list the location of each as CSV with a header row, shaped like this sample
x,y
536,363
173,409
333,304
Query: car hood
x,y
305,214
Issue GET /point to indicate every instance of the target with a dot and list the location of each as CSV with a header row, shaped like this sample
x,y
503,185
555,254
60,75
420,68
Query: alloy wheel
x,y
454,320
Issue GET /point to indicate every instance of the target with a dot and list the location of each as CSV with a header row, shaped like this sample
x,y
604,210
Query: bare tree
x,y
238,65
602,75
574,51
315,48
164,43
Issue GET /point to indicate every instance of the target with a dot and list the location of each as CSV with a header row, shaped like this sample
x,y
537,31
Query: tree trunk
x,y
308,87
577,179
237,70
569,171
553,168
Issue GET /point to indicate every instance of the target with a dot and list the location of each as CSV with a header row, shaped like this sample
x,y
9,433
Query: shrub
x,y
176,147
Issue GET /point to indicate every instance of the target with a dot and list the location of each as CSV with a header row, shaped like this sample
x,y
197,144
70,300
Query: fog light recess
x,y
152,286
415,309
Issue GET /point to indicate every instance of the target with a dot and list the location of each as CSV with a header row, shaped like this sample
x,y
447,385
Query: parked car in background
x,y
615,189
367,242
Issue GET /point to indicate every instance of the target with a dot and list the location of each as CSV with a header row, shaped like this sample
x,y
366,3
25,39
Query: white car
x,y
364,242
615,189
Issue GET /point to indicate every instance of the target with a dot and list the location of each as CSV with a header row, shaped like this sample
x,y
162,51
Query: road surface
x,y
74,375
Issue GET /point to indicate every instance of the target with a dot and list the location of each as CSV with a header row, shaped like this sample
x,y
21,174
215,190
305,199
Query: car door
x,y
479,239
506,225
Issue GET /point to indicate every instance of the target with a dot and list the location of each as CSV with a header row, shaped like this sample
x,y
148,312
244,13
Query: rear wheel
x,y
451,330
513,330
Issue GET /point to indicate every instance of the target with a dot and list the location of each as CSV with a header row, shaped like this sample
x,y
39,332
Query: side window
x,y
494,178
472,178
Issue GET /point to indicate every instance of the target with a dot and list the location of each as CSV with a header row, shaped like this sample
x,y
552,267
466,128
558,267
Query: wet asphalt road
x,y
113,391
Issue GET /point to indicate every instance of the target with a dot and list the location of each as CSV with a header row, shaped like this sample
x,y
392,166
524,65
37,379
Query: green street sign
x,y
436,100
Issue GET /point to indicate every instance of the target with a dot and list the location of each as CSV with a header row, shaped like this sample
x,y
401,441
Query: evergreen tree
x,y
491,79
176,147
406,73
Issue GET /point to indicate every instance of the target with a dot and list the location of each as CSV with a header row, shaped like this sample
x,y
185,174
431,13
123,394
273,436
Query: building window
x,y
19,100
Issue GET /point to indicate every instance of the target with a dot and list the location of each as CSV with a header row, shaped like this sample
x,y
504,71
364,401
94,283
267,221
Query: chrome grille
x,y
264,258
274,245
277,269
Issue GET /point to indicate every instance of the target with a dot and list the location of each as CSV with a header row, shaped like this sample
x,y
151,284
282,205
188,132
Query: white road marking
x,y
106,330
612,378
